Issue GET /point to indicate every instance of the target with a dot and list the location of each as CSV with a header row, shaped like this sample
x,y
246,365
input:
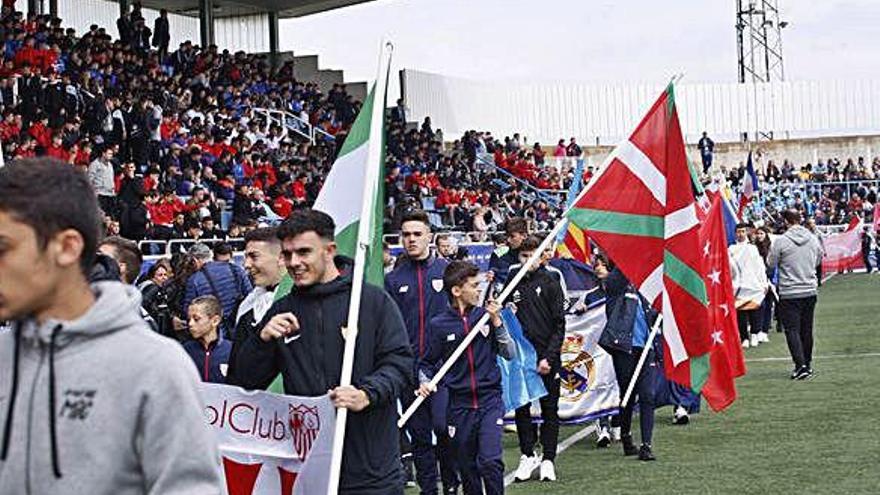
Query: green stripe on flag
x,y
613,222
686,277
699,372
360,129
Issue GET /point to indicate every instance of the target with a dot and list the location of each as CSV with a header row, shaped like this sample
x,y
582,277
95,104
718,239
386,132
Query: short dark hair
x,y
210,304
127,252
222,249
517,225
69,204
530,243
743,225
791,216
457,273
263,234
416,216
307,220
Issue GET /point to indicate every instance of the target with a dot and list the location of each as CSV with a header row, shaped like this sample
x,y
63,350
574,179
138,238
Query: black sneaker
x,y
794,372
645,453
628,447
408,471
450,490
803,373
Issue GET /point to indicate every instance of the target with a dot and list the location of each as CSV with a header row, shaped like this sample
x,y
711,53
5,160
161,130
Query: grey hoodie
x,y
797,253
127,416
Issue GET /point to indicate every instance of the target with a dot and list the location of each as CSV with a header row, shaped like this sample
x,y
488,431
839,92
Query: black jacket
x,y
540,308
311,365
621,304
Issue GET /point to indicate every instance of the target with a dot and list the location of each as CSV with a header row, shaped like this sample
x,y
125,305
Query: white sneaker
x,y
548,471
603,439
615,434
753,340
763,337
527,466
680,416
745,344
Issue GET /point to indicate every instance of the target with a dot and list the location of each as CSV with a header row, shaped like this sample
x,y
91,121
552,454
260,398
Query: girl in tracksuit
x,y
476,408
624,338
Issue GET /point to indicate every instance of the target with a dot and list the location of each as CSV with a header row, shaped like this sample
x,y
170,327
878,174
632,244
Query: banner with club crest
x,y
588,382
271,444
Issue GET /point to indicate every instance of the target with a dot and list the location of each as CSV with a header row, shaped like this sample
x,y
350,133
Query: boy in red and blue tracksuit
x,y
476,408
416,286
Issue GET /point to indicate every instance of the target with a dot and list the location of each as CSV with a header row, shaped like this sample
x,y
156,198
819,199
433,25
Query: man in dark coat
x,y
161,34
301,338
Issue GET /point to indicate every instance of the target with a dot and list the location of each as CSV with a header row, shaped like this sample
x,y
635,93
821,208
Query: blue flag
x,y
573,191
520,381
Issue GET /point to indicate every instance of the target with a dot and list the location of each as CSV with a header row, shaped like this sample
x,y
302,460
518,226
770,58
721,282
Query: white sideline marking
x,y
830,356
568,442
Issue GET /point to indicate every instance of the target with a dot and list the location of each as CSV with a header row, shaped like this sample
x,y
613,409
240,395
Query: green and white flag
x,y
341,197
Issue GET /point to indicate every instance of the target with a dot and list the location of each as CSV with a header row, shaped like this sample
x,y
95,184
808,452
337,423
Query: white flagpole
x,y
642,358
511,284
372,176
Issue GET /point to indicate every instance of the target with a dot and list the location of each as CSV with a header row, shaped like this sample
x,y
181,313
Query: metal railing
x,y
166,247
292,123
539,192
814,186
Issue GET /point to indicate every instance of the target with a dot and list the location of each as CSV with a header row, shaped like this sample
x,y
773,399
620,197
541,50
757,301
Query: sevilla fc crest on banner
x,y
271,444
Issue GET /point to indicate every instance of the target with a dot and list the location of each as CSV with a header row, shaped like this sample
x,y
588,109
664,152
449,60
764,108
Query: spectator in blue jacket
x,y
624,337
476,407
416,285
224,280
208,350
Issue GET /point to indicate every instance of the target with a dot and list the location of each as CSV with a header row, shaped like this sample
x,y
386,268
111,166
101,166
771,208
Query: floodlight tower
x,y
759,42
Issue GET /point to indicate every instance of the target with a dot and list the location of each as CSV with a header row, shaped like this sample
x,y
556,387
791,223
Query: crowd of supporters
x,y
832,192
175,149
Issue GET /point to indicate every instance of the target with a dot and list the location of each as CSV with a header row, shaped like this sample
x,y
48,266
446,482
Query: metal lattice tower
x,y
759,39
759,43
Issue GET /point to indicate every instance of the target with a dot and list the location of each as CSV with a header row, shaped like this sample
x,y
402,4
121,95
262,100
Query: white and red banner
x,y
843,251
271,444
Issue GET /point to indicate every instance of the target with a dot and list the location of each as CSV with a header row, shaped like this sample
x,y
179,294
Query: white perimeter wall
x,y
248,33
546,112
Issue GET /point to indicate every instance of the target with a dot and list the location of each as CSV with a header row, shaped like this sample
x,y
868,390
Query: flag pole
x,y
642,358
508,289
511,284
537,254
372,176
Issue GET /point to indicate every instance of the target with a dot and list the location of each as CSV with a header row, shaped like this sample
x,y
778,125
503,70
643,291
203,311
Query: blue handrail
x,y
541,194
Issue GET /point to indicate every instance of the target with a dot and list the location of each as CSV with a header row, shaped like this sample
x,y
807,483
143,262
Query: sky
x,y
638,41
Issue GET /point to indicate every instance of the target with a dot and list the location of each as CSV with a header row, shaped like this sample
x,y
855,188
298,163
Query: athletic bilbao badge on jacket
x,y
437,284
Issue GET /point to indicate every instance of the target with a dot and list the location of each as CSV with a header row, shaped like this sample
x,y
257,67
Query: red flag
x,y
726,360
843,251
640,210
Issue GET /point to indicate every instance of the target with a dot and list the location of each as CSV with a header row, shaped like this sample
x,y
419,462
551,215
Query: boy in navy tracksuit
x,y
208,350
476,409
416,286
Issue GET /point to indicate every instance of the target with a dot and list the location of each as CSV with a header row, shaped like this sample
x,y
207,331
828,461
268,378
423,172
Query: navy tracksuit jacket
x,y
416,286
476,409
211,361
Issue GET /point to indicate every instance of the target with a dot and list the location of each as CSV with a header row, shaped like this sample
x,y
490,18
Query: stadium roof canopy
x,y
235,8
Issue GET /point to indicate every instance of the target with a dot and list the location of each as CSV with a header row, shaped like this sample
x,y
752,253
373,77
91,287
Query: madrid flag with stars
x,y
726,361
640,209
